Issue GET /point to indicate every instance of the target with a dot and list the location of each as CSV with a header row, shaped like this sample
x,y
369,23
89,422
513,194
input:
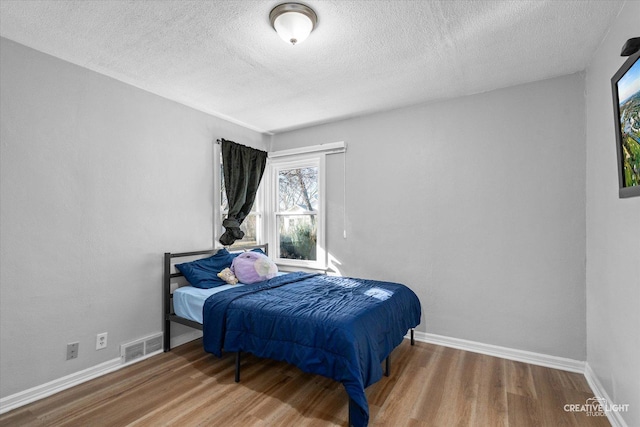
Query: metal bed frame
x,y
167,295
169,315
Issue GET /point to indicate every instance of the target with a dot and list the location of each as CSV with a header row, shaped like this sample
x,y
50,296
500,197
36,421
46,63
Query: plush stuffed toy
x,y
228,276
253,267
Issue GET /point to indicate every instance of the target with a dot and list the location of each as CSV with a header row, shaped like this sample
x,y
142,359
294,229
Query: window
x,y
251,226
296,214
289,210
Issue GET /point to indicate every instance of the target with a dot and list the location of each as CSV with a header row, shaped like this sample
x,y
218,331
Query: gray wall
x,y
98,179
484,214
477,203
613,235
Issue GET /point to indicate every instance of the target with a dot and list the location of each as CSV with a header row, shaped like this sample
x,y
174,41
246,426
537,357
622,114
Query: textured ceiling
x,y
223,57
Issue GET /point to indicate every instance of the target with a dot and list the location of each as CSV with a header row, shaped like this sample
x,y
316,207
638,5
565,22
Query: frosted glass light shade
x,y
293,22
293,27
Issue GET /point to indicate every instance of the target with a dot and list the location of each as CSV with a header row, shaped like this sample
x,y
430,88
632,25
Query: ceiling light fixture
x,y
293,22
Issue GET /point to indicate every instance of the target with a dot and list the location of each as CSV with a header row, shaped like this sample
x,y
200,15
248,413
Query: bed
x,y
339,327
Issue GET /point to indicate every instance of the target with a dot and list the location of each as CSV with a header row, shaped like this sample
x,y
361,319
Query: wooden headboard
x,y
170,275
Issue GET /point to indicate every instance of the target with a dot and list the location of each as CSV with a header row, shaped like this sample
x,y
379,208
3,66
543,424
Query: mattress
x,y
188,301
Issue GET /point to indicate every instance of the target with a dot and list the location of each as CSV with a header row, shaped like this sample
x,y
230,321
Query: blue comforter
x,y
338,327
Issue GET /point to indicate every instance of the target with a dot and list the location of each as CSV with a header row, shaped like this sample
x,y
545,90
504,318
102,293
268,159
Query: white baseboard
x,y
614,417
52,387
564,364
540,359
40,392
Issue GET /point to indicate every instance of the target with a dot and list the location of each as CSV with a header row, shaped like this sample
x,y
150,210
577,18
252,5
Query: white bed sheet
x,y
188,301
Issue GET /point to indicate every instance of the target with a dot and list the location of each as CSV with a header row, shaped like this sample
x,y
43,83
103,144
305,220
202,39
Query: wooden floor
x,y
429,386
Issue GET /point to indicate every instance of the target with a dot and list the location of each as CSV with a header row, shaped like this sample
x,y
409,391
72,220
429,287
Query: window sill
x,y
286,267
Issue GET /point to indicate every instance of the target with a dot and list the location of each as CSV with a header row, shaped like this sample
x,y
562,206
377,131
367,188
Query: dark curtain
x,y
242,168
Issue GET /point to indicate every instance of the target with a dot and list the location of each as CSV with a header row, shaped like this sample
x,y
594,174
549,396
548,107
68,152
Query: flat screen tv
x,y
625,85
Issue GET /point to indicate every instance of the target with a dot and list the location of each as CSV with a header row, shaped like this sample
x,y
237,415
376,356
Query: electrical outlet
x,y
72,350
101,341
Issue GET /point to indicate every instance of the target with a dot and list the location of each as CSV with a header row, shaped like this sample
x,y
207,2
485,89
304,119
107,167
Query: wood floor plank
x,y
522,410
492,395
449,408
429,386
519,379
431,396
549,401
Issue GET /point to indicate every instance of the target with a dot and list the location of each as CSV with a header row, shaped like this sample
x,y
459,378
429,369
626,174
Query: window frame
x,y
274,166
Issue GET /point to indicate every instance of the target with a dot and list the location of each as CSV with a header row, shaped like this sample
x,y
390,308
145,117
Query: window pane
x,y
297,236
250,228
224,203
298,189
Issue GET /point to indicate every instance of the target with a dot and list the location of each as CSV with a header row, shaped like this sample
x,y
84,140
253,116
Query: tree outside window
x,y
297,224
295,217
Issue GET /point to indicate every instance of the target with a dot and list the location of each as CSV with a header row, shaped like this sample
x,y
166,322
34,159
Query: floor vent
x,y
153,344
140,348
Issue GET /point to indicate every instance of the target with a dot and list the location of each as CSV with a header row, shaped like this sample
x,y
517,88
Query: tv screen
x,y
625,85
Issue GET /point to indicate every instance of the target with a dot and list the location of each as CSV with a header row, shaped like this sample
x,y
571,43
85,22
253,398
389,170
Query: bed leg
x,y
238,366
387,368
413,341
167,336
351,403
166,300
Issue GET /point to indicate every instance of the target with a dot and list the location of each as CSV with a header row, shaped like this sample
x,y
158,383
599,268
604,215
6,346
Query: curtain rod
x,y
219,141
